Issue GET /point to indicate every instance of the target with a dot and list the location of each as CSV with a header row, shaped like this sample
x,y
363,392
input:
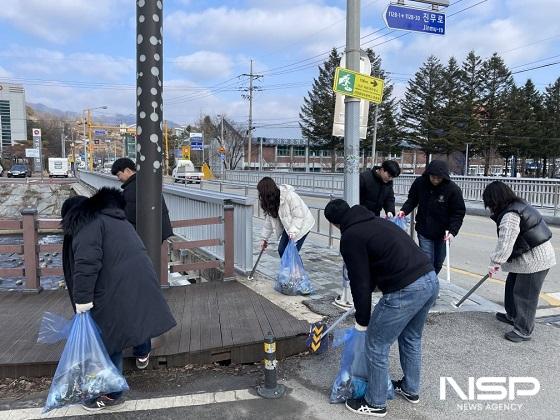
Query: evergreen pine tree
x,y
471,94
317,112
422,105
452,138
551,120
497,83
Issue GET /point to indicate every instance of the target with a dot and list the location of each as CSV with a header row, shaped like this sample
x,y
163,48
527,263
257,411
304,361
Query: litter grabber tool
x,y
448,257
470,292
318,331
250,276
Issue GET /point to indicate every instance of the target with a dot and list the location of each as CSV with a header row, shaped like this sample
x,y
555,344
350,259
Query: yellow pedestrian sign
x,y
357,85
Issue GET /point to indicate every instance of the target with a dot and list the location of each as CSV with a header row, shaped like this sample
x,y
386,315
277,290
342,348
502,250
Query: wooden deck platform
x,y
218,321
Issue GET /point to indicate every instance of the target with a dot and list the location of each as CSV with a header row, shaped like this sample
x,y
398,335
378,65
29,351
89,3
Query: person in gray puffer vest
x,y
525,251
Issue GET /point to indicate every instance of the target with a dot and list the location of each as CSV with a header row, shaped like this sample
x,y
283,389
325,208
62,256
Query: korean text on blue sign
x,y
418,20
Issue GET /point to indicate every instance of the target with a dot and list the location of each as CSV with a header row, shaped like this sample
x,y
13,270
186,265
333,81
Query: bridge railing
x,y
189,202
543,193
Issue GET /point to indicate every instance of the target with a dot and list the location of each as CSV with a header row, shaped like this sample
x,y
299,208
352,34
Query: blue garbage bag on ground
x,y
85,370
352,378
401,222
351,381
292,278
54,328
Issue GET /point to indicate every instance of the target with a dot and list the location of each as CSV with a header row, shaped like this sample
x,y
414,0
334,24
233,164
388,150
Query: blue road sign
x,y
196,145
417,20
99,132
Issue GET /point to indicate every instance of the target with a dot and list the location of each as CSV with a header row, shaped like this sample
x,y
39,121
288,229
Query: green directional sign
x,y
357,85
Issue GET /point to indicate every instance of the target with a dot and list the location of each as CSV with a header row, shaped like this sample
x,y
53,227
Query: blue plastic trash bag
x,y
401,222
54,328
292,278
85,370
351,381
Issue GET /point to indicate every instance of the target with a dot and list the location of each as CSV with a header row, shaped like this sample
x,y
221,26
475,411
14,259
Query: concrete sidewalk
x,y
324,267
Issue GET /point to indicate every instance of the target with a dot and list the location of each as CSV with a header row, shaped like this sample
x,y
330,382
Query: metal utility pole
x,y
250,97
352,107
85,141
149,124
467,160
62,141
374,140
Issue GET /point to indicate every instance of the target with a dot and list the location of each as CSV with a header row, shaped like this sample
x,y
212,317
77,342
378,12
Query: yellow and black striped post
x,y
271,388
314,342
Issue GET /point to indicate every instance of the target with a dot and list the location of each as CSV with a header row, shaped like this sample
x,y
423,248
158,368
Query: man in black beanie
x,y
378,253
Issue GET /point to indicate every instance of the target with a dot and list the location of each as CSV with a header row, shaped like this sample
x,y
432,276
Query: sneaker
x,y
101,403
143,362
516,338
360,406
397,385
500,316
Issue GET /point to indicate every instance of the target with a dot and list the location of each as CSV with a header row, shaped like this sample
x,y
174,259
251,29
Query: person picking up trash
x,y
525,251
376,188
108,272
377,253
441,208
285,213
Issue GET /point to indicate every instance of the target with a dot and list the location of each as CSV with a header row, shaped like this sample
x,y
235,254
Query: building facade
x,y
13,116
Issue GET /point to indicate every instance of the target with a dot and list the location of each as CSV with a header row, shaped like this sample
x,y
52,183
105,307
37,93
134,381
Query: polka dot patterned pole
x,y
149,124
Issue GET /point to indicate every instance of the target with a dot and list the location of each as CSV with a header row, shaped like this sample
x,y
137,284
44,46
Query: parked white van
x,y
58,167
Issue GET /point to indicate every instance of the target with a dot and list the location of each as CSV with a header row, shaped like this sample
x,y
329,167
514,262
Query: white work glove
x,y
359,327
449,237
292,235
264,244
492,270
401,214
389,215
82,308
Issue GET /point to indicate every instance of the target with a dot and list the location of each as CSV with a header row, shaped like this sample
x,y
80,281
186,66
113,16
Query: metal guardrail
x,y
189,202
543,193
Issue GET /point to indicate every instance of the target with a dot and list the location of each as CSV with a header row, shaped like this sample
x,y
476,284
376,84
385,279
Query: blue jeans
x,y
399,315
435,250
284,243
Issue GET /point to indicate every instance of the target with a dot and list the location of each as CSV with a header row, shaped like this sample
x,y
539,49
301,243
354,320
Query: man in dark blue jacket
x,y
378,253
441,208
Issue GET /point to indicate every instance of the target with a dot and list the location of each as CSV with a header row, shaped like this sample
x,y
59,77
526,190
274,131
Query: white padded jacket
x,y
293,216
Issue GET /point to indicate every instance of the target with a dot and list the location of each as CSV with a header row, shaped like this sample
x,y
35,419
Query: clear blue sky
x,y
73,54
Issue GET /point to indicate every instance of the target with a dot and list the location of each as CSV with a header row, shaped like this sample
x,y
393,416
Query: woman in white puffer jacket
x,y
285,213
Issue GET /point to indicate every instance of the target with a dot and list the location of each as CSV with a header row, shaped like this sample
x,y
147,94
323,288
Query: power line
x,y
537,67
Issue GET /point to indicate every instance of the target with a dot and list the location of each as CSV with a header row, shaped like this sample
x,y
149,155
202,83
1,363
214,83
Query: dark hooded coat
x,y
377,253
105,262
440,208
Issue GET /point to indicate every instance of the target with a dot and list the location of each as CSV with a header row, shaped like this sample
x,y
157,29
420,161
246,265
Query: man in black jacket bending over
x,y
376,188
125,170
440,208
378,253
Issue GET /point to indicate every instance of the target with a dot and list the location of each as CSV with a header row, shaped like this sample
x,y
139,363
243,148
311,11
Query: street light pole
x,y
352,107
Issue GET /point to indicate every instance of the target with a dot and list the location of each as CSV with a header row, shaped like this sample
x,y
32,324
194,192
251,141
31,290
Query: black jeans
x,y
521,299
142,350
284,243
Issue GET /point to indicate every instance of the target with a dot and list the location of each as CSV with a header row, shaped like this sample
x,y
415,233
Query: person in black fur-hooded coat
x,y
107,270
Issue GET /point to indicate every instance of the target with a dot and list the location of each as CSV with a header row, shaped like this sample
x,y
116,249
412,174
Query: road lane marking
x,y
147,404
552,299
